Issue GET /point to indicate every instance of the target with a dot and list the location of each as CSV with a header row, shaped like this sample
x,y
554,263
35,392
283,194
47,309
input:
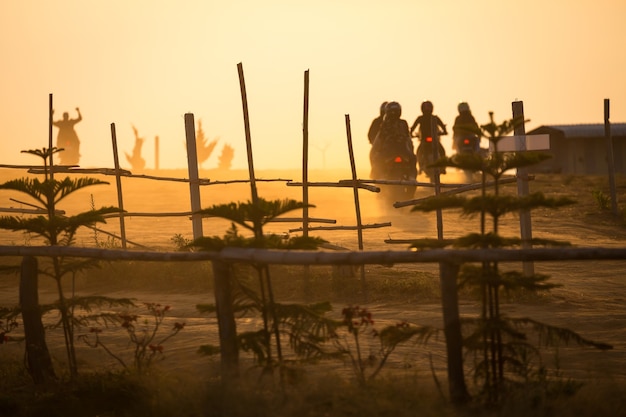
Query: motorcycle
x,y
394,163
470,145
426,156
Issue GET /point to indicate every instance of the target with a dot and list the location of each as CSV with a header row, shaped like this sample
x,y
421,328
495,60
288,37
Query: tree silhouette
x,y
204,148
226,158
136,161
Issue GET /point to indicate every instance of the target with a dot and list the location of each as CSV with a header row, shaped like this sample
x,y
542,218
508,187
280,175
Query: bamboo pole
x,y
263,269
258,232
357,205
436,172
118,181
609,156
294,257
305,157
361,227
50,123
305,177
339,184
457,190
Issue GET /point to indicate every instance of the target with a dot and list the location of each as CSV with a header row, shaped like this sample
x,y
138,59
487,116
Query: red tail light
x,y
429,139
466,141
398,159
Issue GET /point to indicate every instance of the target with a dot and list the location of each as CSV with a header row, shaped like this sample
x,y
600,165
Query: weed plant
x,y
146,337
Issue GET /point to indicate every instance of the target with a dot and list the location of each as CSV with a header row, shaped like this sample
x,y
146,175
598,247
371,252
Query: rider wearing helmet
x,y
375,126
392,126
464,126
393,138
430,126
429,123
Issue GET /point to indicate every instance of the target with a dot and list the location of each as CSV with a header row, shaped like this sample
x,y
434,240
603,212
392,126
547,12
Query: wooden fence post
x,y
37,355
227,327
523,188
194,181
452,332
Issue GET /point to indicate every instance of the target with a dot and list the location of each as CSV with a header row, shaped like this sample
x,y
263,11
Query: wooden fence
x,y
449,260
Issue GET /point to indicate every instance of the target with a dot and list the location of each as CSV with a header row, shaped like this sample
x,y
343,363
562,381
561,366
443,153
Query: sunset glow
x,y
147,63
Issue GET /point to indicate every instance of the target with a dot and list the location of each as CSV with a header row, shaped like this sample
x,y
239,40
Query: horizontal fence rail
x,y
300,257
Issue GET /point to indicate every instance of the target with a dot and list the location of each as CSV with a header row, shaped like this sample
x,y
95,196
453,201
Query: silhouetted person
x,y
68,139
430,129
375,126
464,126
430,125
393,140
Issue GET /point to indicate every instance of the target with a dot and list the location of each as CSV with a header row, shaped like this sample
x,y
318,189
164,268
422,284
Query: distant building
x,y
581,149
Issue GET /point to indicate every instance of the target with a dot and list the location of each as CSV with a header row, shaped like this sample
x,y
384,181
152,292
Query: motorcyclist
x,y
375,126
465,126
393,139
431,126
428,122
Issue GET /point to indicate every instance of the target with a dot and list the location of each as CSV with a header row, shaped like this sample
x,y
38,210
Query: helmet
x,y
382,108
463,106
427,107
393,110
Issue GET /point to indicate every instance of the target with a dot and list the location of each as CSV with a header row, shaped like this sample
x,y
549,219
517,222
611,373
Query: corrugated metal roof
x,y
588,130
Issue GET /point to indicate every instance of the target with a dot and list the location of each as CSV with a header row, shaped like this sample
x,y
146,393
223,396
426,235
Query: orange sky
x,y
147,63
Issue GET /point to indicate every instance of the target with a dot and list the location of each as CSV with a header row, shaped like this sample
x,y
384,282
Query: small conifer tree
x,y
59,230
499,343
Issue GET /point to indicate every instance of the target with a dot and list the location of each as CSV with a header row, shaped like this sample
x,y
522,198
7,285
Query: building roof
x,y
585,130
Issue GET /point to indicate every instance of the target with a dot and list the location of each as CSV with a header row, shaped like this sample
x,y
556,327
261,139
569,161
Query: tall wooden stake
x,y
609,156
118,181
305,157
523,188
50,123
258,232
434,133
305,176
194,181
357,205
264,273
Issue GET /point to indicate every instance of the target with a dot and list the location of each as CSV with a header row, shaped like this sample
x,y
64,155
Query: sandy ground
x,y
590,301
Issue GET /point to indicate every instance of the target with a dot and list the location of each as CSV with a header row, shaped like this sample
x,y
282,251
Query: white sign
x,y
522,143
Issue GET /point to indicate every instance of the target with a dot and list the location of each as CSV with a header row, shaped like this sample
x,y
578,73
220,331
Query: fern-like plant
x,y
56,230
